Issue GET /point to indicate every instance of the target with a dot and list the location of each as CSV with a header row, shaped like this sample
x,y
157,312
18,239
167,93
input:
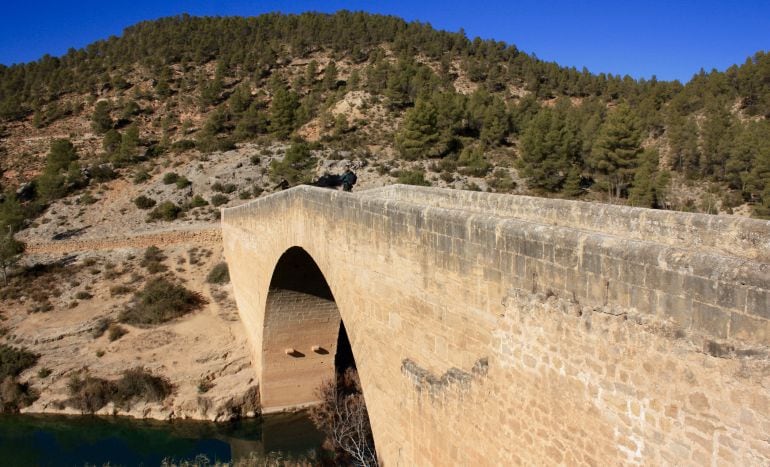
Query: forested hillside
x,y
404,95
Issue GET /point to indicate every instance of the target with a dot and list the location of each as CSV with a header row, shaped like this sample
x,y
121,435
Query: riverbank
x,y
61,308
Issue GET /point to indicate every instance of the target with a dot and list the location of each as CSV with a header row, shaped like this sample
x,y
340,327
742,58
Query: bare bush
x,y
342,416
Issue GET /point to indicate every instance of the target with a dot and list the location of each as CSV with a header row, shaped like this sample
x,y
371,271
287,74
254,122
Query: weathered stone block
x,y
731,295
676,307
701,288
710,319
749,328
758,302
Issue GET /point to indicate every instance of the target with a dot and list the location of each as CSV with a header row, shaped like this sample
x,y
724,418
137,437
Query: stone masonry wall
x,y
487,339
731,235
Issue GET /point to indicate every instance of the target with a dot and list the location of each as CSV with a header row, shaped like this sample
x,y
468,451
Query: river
x,y
80,440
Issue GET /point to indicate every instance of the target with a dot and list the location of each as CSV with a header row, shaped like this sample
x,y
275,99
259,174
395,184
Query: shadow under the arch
x,y
307,357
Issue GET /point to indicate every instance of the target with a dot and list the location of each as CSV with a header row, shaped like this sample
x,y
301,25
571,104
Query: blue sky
x,y
669,39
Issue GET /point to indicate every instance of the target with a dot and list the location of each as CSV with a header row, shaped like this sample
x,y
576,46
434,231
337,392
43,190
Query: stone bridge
x,y
503,330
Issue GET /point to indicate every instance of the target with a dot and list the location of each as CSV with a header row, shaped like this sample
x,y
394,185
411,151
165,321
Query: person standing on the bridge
x,y
348,179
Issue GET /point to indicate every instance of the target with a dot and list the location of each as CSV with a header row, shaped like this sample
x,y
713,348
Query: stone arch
x,y
300,336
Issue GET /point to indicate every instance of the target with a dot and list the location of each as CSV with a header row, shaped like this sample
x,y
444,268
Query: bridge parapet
x,y
730,235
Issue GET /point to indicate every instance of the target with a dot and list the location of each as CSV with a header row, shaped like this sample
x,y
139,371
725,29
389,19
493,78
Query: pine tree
x,y
163,86
649,188
496,123
283,112
252,122
10,250
615,154
758,181
330,76
295,166
550,147
717,140
240,99
573,183
418,136
101,120
60,155
310,73
750,148
682,135
111,141
129,145
11,213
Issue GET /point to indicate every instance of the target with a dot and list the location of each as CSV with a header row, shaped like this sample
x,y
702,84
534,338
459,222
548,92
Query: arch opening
x,y
302,333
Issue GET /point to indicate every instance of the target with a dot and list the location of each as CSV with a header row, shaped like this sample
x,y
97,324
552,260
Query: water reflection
x,y
74,440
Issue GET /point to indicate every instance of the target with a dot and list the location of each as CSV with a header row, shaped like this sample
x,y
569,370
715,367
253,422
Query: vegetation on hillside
x,y
89,393
470,104
158,302
13,394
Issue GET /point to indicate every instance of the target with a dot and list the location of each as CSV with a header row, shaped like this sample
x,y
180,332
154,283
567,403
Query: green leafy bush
x,y
166,211
160,301
141,176
197,202
144,202
182,182
412,177
182,145
170,177
227,188
219,199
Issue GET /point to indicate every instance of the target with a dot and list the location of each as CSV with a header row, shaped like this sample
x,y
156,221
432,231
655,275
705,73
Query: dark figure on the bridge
x,y
328,181
348,179
282,185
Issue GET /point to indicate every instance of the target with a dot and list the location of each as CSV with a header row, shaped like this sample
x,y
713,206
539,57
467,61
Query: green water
x,y
30,440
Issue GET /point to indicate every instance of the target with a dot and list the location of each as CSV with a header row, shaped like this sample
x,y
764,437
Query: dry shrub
x,y
219,274
115,332
117,290
15,395
138,384
342,416
89,394
101,327
153,260
14,360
